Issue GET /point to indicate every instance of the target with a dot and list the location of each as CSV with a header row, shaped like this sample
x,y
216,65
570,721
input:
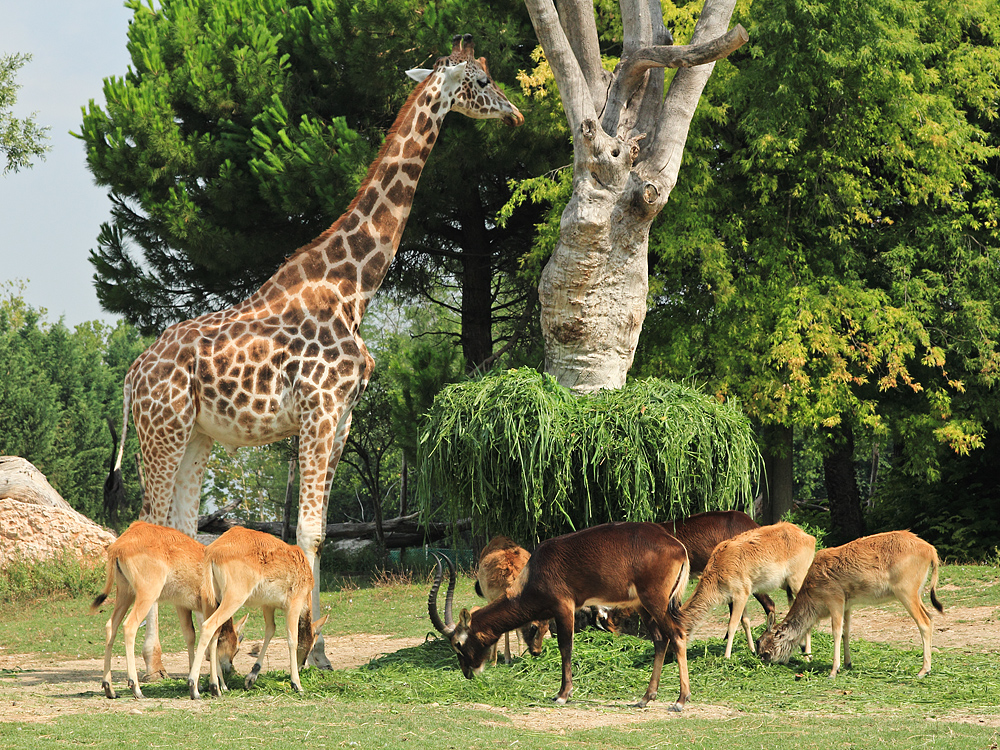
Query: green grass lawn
x,y
417,697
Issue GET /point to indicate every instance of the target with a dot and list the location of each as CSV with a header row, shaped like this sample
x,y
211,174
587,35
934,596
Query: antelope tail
x,y
934,581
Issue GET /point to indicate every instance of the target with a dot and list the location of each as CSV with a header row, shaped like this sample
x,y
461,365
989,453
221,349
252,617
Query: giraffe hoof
x,y
160,674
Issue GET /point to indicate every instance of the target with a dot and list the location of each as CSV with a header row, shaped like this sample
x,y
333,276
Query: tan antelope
x,y
150,564
250,567
499,564
701,534
614,564
762,559
870,570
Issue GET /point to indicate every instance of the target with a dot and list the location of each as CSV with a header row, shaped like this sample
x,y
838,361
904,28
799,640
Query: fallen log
x,y
403,531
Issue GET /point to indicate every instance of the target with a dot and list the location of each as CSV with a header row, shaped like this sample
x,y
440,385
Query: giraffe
x,y
289,360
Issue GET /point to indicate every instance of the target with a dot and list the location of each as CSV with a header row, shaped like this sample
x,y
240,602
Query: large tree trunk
x,y
777,492
842,485
628,141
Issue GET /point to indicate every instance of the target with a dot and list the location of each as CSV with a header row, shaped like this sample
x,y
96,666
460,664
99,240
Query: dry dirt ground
x,y
32,689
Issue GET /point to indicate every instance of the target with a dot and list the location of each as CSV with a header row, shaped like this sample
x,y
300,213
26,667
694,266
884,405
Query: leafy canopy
x,y
831,249
21,139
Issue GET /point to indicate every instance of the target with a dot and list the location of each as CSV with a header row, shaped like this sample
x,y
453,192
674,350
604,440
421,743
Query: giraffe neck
x,y
354,254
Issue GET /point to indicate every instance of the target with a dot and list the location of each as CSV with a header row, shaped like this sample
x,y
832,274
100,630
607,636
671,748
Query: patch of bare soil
x,y
33,689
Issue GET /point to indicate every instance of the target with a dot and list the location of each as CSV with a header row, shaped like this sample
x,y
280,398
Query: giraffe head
x,y
477,96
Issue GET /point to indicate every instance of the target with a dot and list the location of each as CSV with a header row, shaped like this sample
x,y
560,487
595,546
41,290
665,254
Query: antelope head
x,y
466,644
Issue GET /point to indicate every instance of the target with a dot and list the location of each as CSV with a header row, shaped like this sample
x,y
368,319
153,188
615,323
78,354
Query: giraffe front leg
x,y
152,654
319,453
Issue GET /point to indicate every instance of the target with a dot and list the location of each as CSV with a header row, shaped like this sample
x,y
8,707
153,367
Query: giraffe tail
x,y
114,488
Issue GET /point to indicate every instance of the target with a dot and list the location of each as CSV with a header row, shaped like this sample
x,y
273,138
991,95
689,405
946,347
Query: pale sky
x,y
50,214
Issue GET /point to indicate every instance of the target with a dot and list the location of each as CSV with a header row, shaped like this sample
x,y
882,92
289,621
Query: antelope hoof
x,y
213,688
252,677
676,707
560,701
193,689
297,687
134,687
109,692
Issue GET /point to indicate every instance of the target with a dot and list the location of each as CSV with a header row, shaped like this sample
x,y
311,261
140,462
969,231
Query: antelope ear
x,y
418,74
465,618
239,627
318,625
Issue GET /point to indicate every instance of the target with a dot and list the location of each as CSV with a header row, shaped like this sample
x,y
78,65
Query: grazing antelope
x,y
613,564
702,532
250,567
152,564
762,559
870,570
499,563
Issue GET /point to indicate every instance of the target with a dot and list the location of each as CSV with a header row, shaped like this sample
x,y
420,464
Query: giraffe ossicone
x,y
288,360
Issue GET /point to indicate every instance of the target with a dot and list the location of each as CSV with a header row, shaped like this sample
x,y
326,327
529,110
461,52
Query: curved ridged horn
x,y
450,594
448,626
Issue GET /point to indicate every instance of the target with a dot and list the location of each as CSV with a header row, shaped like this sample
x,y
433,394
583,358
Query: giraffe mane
x,y
390,134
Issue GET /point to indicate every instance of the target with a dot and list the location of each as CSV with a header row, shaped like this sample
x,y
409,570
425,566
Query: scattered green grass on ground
x,y
417,697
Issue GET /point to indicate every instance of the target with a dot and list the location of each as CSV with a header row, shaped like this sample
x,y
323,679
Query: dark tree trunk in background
x,y
778,485
477,288
842,485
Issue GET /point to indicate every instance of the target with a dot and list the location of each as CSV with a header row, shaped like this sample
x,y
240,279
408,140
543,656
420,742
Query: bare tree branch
x,y
577,20
667,148
577,101
631,72
648,113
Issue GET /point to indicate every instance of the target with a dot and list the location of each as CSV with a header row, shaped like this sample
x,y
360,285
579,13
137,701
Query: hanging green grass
x,y
527,457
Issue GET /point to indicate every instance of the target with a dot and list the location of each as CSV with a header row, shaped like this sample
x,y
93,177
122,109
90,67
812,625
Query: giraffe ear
x,y
418,74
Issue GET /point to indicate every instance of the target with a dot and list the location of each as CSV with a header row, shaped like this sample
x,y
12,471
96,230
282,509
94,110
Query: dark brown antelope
x,y
870,570
499,564
150,564
614,564
700,534
762,559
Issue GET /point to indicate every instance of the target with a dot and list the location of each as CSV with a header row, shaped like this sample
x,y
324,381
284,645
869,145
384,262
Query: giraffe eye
x,y
483,81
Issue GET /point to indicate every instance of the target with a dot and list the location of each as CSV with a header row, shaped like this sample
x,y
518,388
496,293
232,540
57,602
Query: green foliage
x,y
810,523
21,139
57,390
831,249
60,577
256,475
959,513
526,457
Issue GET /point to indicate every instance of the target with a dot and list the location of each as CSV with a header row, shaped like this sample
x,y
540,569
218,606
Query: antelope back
x,y
603,564
872,568
147,552
259,566
499,568
702,532
767,556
